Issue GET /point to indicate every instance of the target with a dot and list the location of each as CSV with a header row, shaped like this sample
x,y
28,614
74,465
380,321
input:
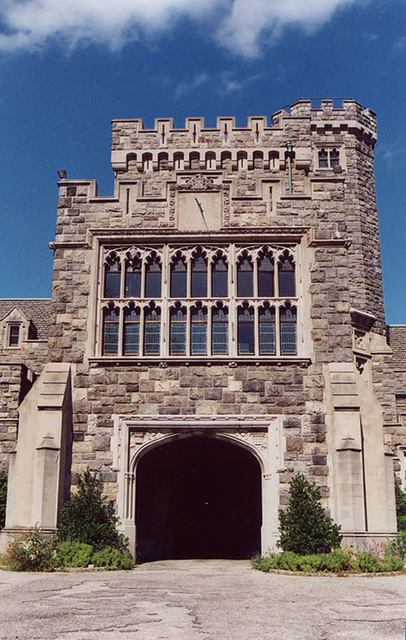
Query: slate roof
x,y
397,342
39,311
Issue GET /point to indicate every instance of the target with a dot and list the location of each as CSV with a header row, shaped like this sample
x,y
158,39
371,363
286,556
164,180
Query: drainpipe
x,y
289,147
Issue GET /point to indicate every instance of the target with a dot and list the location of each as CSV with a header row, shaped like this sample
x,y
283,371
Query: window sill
x,y
200,360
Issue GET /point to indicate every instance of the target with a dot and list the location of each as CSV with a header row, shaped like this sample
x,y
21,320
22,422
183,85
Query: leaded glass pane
x,y
219,279
219,338
246,332
334,158
266,277
131,332
131,339
287,287
178,279
152,333
14,336
198,338
199,277
288,331
133,281
245,283
153,277
178,332
110,332
323,159
112,280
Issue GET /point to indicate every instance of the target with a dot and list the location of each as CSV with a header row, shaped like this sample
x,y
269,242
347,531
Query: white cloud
x,y
238,25
186,87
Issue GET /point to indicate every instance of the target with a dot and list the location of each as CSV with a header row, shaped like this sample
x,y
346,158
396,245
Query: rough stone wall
x,y
332,214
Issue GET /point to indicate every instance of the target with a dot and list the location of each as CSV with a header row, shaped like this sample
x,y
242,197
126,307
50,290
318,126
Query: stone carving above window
x,y
198,182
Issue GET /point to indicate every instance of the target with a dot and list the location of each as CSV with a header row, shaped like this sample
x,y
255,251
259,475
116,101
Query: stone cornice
x,y
254,234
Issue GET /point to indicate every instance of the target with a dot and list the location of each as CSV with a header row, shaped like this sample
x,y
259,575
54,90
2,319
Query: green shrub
x,y
367,562
337,561
74,554
32,552
400,508
304,526
112,558
3,498
393,563
88,518
397,547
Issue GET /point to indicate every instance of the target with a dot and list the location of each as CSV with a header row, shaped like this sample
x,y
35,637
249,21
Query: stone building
x,y
216,326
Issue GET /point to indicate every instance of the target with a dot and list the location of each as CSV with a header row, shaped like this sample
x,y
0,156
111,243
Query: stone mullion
x,y
277,329
256,329
209,329
232,310
164,301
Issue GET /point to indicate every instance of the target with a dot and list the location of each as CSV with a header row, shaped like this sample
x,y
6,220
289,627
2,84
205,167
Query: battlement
x,y
294,122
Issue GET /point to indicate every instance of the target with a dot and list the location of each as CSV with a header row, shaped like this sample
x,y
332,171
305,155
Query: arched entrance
x,y
198,497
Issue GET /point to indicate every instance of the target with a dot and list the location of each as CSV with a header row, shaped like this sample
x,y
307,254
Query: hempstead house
x,y
216,326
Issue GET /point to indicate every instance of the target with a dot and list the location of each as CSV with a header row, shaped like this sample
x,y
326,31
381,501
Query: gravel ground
x,y
200,599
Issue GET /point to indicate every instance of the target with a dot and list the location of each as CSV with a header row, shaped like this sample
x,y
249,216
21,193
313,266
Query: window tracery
x,y
199,301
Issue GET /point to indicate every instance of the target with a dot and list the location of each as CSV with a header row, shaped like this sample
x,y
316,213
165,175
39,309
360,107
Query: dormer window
x,y
14,335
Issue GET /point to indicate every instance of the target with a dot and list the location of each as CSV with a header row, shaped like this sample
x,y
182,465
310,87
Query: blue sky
x,y
67,69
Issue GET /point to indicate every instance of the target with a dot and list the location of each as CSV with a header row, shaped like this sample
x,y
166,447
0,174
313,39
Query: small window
x,y
14,335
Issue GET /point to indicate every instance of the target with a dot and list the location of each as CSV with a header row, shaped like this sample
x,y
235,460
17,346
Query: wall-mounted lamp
x,y
63,174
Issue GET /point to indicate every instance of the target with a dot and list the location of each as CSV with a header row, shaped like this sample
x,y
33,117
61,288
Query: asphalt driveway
x,y
200,599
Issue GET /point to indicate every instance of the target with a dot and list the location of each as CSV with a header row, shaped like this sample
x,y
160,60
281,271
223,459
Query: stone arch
x,y
206,488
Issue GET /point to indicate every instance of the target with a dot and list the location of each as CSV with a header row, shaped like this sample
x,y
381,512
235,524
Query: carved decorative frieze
x,y
198,182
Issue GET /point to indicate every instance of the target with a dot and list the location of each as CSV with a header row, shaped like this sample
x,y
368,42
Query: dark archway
x,y
198,497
